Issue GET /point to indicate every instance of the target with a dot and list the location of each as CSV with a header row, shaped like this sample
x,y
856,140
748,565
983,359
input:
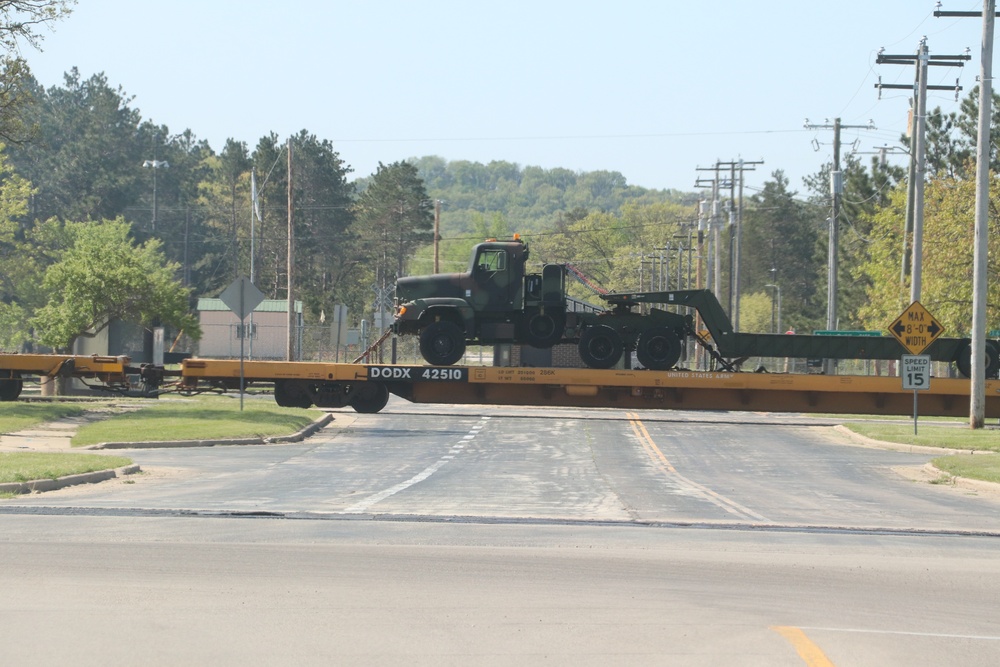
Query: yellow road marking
x,y
808,651
660,459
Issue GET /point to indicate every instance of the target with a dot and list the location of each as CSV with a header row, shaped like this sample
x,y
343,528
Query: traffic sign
x,y
916,328
916,371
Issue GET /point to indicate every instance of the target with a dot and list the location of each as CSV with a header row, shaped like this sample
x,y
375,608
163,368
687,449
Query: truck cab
x,y
482,305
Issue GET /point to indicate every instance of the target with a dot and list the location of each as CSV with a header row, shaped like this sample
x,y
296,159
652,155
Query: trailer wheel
x,y
370,398
601,346
292,394
10,389
442,343
963,360
658,348
542,329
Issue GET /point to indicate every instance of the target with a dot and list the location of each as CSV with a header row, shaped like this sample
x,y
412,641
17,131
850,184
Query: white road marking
x,y
366,504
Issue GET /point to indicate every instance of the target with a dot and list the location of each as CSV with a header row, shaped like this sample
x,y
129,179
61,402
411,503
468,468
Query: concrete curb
x,y
39,485
294,437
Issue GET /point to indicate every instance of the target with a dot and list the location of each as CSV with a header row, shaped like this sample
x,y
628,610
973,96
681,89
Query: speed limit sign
x,y
916,371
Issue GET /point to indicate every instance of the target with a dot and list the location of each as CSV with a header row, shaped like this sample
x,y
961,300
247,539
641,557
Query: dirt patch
x,y
929,474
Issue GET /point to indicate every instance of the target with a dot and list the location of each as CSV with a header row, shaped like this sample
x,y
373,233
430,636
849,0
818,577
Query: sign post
x,y
242,296
916,374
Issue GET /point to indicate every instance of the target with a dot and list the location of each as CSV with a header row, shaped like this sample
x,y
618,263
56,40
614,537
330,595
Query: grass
x,y
952,437
19,416
29,466
986,468
200,418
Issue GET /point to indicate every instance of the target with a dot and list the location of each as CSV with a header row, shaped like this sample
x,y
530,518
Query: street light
x,y
154,165
776,329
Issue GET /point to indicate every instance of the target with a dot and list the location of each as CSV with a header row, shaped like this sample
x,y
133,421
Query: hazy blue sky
x,y
650,88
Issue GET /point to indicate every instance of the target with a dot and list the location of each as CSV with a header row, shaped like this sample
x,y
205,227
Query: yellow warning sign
x,y
916,328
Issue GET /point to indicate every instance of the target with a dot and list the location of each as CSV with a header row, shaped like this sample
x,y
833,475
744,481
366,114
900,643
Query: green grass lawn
x,y
16,416
29,466
986,468
953,437
198,418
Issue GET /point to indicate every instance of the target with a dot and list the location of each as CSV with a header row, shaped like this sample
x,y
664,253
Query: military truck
x,y
497,301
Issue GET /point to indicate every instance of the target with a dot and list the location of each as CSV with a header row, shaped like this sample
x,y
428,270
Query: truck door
x,y
496,285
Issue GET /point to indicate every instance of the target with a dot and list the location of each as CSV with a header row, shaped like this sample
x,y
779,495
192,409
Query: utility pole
x,y
735,185
977,404
290,354
836,190
714,226
915,184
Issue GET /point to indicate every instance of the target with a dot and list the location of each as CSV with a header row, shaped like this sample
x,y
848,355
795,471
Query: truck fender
x,y
457,310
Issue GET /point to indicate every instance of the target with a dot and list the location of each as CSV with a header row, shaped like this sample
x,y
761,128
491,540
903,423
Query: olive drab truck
x,y
496,300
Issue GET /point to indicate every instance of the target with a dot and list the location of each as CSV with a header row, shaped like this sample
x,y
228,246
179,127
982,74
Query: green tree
x,y
781,237
105,275
946,288
20,24
758,313
952,138
323,214
19,266
87,160
394,217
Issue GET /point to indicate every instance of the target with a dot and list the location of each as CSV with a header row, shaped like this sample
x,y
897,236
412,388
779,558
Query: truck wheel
x,y
370,398
542,330
10,389
442,343
658,348
963,361
601,346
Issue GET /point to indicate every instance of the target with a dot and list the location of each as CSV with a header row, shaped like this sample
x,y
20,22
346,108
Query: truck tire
x,y
542,329
370,398
10,389
601,346
963,360
442,343
658,349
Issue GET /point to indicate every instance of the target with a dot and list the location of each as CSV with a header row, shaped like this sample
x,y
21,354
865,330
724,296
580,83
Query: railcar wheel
x,y
11,389
601,346
442,343
292,394
658,348
542,329
370,398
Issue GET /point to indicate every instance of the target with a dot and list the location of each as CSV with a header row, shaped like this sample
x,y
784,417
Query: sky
x,y
653,89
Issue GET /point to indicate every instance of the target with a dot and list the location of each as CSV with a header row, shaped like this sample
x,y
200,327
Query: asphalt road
x,y
431,535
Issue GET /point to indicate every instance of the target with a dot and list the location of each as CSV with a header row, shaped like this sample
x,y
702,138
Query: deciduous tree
x,y
105,275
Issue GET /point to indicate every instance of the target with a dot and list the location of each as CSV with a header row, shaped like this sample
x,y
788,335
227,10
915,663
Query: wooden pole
x,y
290,354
